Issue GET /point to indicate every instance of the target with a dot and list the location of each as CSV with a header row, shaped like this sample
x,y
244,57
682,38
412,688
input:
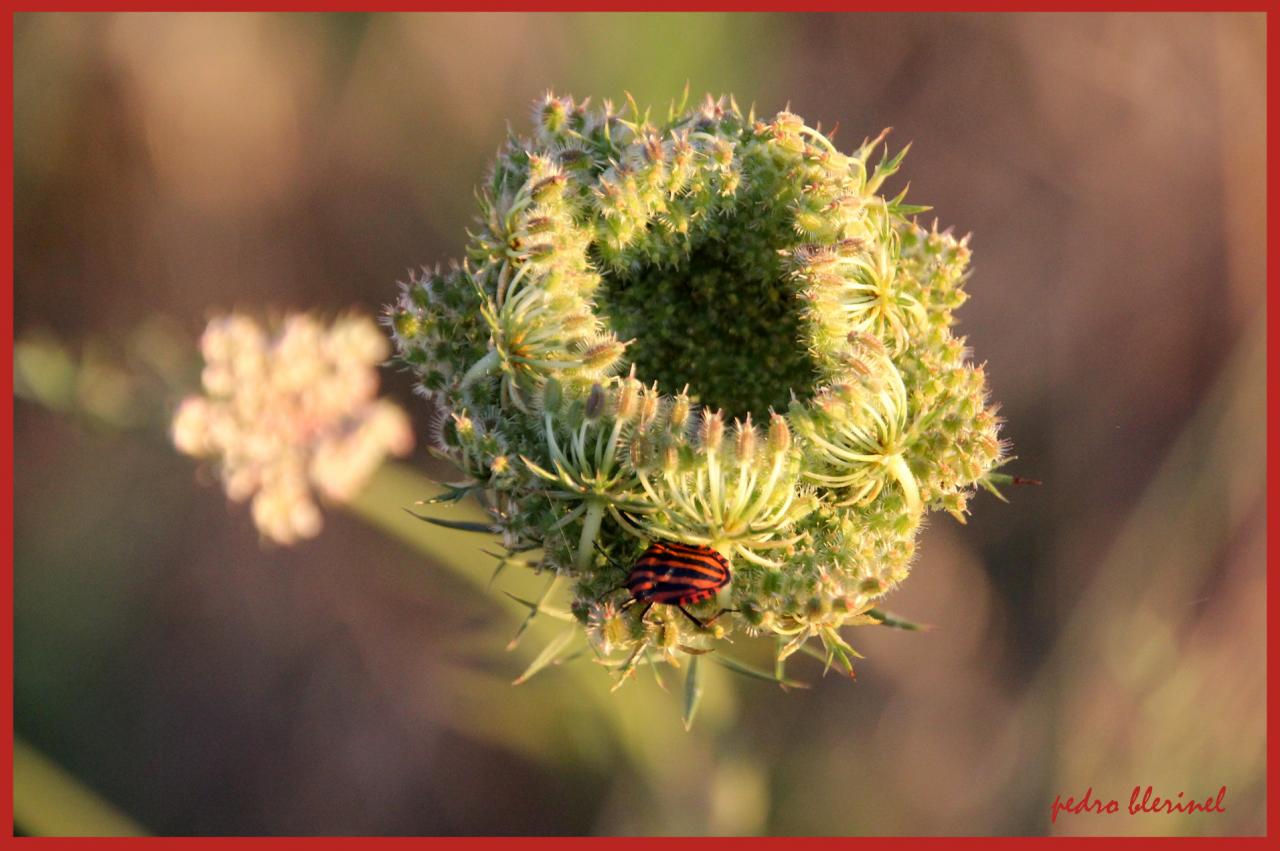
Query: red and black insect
x,y
677,575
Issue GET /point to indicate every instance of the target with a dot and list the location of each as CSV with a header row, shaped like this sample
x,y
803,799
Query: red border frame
x,y
641,6
6,423
1272,407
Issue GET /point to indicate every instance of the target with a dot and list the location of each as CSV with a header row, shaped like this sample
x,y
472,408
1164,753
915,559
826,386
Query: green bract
x,y
713,330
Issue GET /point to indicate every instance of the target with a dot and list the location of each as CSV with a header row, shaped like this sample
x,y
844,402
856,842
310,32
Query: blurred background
x,y
1105,630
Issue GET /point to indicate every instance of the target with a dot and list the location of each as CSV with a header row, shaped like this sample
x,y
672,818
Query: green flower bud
x,y
711,432
680,410
549,189
670,460
649,406
628,398
552,396
551,113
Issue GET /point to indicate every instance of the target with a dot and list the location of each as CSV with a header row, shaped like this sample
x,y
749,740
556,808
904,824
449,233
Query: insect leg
x,y
713,618
700,624
609,560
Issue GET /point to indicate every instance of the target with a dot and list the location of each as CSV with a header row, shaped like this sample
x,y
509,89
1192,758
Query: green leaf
x,y
897,206
657,675
497,568
547,656
627,668
837,648
800,640
756,673
462,525
892,620
558,614
539,471
992,479
868,145
886,167
533,611
455,493
504,561
692,693
988,483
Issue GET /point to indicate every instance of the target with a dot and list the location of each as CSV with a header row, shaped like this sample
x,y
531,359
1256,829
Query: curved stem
x,y
590,530
480,368
898,467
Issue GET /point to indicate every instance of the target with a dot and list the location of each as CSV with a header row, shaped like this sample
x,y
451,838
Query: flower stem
x,y
911,493
590,529
481,368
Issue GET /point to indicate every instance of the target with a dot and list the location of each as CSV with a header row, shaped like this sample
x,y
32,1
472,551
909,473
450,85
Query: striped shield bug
x,y
679,575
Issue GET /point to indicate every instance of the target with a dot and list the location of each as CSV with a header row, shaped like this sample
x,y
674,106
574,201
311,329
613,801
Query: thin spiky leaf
x,y
547,656
534,610
886,167
551,611
461,525
756,673
454,493
891,620
692,693
657,674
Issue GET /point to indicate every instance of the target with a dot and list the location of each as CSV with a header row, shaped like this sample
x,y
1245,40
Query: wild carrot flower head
x,y
290,412
716,329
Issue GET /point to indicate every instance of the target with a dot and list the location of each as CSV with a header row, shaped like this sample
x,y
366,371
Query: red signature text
x,y
1142,800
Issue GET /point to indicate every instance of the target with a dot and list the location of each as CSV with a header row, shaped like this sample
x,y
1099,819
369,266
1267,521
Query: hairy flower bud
x,y
680,410
551,113
711,431
628,398
779,434
650,402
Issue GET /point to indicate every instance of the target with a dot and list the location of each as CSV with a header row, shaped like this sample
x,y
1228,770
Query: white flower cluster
x,y
285,413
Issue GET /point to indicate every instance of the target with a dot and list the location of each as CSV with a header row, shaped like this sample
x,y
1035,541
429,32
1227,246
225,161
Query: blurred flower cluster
x,y
804,401
287,412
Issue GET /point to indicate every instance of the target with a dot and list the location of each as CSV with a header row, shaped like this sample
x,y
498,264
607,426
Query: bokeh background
x,y
1105,630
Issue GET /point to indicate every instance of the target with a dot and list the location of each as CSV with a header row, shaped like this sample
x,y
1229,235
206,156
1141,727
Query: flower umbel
x,y
637,296
290,412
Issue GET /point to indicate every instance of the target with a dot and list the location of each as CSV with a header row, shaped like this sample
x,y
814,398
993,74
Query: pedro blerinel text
x,y
1143,799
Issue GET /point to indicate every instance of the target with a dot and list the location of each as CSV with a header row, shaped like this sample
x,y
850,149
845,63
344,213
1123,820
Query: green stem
x,y
480,368
898,467
590,530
